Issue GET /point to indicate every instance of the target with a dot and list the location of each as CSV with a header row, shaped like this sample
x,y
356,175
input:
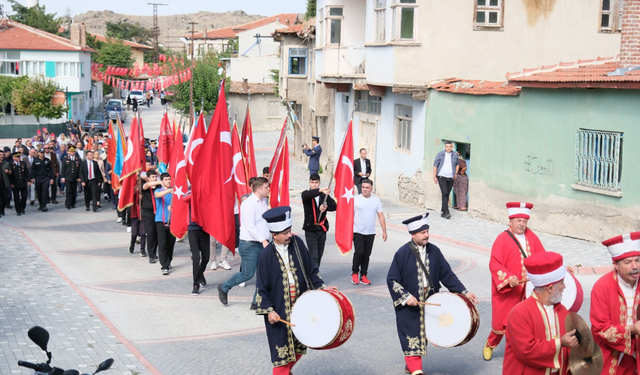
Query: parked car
x,y
98,118
114,108
139,95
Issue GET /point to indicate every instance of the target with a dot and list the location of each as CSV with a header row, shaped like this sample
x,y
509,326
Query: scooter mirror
x,y
39,336
71,372
104,365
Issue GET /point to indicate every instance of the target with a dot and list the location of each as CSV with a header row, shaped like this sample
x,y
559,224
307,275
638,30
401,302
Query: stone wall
x,y
411,189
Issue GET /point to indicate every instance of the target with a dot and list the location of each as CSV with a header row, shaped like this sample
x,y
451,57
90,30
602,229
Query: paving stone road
x,y
70,272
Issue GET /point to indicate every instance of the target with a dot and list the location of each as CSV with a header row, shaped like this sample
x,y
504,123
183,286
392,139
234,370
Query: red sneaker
x,y
354,279
364,280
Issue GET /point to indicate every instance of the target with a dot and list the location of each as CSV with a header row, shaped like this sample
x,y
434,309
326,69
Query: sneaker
x,y
365,280
203,281
196,290
447,216
165,271
143,253
119,220
354,279
152,260
128,229
242,284
214,265
225,265
222,295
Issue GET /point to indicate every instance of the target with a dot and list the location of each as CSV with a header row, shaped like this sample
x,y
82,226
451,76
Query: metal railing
x,y
598,159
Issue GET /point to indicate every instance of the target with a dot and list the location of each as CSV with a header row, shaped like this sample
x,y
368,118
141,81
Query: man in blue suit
x,y
314,154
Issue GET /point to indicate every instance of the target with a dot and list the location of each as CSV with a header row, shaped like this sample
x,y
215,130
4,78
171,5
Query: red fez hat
x,y
519,209
624,246
545,268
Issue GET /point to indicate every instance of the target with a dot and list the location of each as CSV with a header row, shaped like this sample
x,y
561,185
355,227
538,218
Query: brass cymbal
x,y
586,358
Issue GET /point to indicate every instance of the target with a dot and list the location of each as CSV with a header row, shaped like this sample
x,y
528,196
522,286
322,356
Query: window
x,y
380,10
298,61
405,23
404,115
375,104
598,163
488,14
334,24
66,69
9,63
33,68
368,103
273,111
611,15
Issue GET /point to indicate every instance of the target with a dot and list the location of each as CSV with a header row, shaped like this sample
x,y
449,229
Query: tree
x,y
115,53
33,98
7,85
129,31
35,16
311,9
232,49
94,43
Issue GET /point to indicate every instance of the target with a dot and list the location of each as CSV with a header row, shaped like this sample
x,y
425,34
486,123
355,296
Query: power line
x,y
156,30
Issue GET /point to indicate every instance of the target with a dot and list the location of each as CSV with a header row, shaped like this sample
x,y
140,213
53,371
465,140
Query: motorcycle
x,y
40,337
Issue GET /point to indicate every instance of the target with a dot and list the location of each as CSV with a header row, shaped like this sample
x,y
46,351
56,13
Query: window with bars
x,y
404,14
488,14
381,13
273,110
404,115
368,103
334,24
598,163
611,15
298,61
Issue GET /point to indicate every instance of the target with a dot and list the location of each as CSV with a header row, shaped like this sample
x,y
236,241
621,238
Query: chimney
x,y
74,33
83,35
630,38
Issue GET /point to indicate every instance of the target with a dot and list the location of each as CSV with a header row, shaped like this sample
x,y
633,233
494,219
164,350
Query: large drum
x,y
572,296
323,319
455,322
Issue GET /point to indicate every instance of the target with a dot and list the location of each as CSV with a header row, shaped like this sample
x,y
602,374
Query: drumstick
x,y
428,303
285,322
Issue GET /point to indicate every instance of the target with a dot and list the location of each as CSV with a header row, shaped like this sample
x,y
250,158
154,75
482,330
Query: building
x,y
137,49
28,51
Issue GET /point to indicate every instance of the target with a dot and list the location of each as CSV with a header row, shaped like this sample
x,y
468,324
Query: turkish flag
x,y
248,152
279,169
212,183
143,153
179,208
196,139
239,169
166,140
131,167
344,193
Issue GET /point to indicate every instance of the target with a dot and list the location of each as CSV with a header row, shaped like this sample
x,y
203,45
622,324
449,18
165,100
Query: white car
x,y
139,95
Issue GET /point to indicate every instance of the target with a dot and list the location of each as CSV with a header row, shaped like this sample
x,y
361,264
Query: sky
x,y
140,7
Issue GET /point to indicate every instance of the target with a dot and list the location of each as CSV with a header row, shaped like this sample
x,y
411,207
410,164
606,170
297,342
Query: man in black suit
x,y
361,169
316,224
20,181
70,172
91,179
42,176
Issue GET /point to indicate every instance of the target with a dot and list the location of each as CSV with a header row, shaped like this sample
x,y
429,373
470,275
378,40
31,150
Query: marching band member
x,y
537,342
416,272
614,300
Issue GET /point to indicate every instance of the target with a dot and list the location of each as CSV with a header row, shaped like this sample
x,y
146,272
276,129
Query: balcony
x,y
342,64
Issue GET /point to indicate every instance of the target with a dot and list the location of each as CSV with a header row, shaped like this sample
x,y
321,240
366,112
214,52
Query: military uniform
x,y
20,180
42,172
70,171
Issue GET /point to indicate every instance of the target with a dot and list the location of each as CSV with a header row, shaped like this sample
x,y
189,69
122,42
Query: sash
x,y
416,253
524,255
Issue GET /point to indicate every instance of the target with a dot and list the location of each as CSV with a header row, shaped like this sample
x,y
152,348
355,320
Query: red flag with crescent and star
x,y
212,183
179,208
166,140
131,167
240,170
196,139
248,152
344,193
279,172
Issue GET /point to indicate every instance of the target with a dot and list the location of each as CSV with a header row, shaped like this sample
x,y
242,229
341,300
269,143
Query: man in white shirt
x,y
366,207
254,236
445,170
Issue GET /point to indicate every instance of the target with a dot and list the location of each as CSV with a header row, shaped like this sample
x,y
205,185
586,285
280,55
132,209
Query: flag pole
x,y
344,137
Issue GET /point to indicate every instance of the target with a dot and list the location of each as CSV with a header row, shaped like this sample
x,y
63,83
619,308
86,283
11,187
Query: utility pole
x,y
191,114
155,32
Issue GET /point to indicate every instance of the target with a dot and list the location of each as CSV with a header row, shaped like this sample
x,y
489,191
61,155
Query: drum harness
x,y
524,255
304,272
416,253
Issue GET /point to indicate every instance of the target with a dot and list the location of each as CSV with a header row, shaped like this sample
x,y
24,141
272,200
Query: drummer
x,y
281,276
507,271
537,342
409,284
613,297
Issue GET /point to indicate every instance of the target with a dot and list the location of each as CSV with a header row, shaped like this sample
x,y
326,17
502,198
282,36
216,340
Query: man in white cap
x,y
537,341
410,285
614,302
509,250
284,273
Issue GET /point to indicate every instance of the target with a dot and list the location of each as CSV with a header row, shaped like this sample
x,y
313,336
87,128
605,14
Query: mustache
x,y
634,272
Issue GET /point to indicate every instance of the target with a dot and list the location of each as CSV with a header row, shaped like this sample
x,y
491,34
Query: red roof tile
x,y
104,39
475,87
17,36
231,32
253,88
593,73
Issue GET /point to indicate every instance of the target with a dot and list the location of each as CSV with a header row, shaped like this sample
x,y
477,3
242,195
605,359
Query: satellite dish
x,y
355,54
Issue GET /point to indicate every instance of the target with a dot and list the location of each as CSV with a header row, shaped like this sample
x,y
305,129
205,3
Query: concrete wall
x,y
267,47
259,109
506,133
138,56
255,69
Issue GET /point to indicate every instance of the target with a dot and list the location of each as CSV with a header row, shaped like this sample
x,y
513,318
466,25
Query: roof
x,y
301,30
475,87
253,88
231,32
17,36
105,39
602,72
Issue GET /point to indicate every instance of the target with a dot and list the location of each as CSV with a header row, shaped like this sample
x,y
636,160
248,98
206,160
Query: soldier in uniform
x,y
70,172
42,176
20,178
